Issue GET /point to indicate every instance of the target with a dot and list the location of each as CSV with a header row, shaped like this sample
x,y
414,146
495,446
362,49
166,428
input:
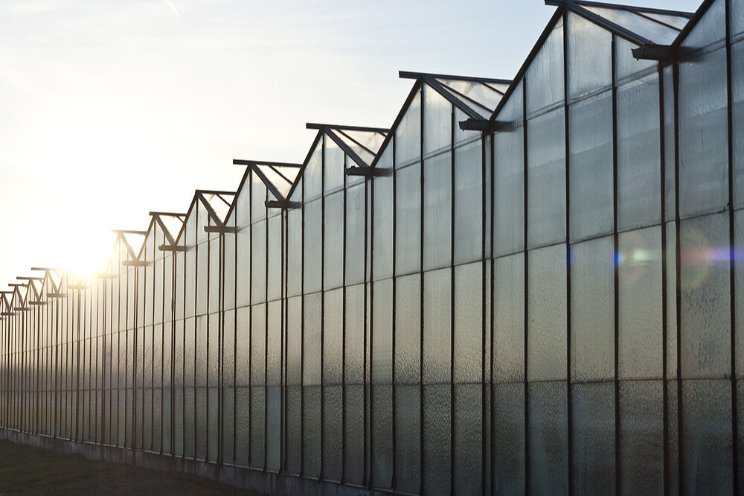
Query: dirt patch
x,y
27,471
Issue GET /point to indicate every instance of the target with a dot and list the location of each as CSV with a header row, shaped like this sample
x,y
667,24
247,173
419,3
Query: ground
x,y
27,471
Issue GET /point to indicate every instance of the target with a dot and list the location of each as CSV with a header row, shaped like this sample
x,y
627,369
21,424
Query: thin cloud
x,y
172,7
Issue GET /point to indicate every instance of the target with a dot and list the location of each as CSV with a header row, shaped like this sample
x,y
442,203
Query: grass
x,y
28,471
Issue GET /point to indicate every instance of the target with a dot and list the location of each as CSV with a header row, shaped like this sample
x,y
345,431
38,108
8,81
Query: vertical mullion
x,y
525,284
615,271
732,248
664,262
453,430
422,445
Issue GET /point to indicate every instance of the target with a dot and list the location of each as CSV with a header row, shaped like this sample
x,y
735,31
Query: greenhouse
x,y
525,286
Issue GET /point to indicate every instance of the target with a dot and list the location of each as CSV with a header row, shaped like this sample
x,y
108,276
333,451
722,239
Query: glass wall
x,y
548,306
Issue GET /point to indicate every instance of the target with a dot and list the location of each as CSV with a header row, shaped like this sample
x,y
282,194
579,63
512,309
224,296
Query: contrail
x,y
172,7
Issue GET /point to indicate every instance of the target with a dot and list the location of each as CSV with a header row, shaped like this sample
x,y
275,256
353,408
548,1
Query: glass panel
x,y
670,188
547,448
382,333
312,175
437,439
468,438
355,233
509,438
311,350
294,341
705,304
333,337
710,29
546,216
469,333
641,437
437,327
274,255
469,192
593,437
408,329
737,130
737,17
626,65
646,28
437,211
592,310
508,301
408,440
408,134
588,46
638,156
258,264
313,263
437,122
545,74
640,304
383,226
273,344
547,314
408,219
258,197
508,179
355,335
706,430
703,130
335,170
333,254
294,252
243,270
332,432
590,167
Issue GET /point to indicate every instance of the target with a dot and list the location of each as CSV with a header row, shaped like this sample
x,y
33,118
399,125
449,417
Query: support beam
x,y
369,171
283,204
485,125
221,229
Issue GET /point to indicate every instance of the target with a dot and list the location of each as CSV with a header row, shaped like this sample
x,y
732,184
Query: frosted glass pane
x,y
294,341
638,155
437,122
547,314
508,346
333,337
383,227
669,146
710,28
258,264
312,175
437,440
469,333
589,46
509,438
546,215
705,303
382,435
311,431
355,234
311,350
355,335
671,301
274,263
353,442
313,262
334,173
468,439
737,17
547,448
333,253
258,426
707,464
437,327
294,430
641,437
258,345
641,26
408,329
703,168
592,310
408,134
382,333
737,134
294,252
739,294
640,304
593,436
332,432
273,344
408,440
437,211
243,269
273,428
545,74
590,167
626,65
469,192
258,197
509,167
408,219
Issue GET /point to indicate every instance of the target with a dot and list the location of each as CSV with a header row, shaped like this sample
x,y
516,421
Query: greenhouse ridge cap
x,y
475,79
616,6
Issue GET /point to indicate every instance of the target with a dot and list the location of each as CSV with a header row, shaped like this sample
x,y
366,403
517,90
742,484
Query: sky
x,y
110,109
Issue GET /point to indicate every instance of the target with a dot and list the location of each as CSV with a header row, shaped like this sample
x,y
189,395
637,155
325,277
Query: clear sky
x,y
112,108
